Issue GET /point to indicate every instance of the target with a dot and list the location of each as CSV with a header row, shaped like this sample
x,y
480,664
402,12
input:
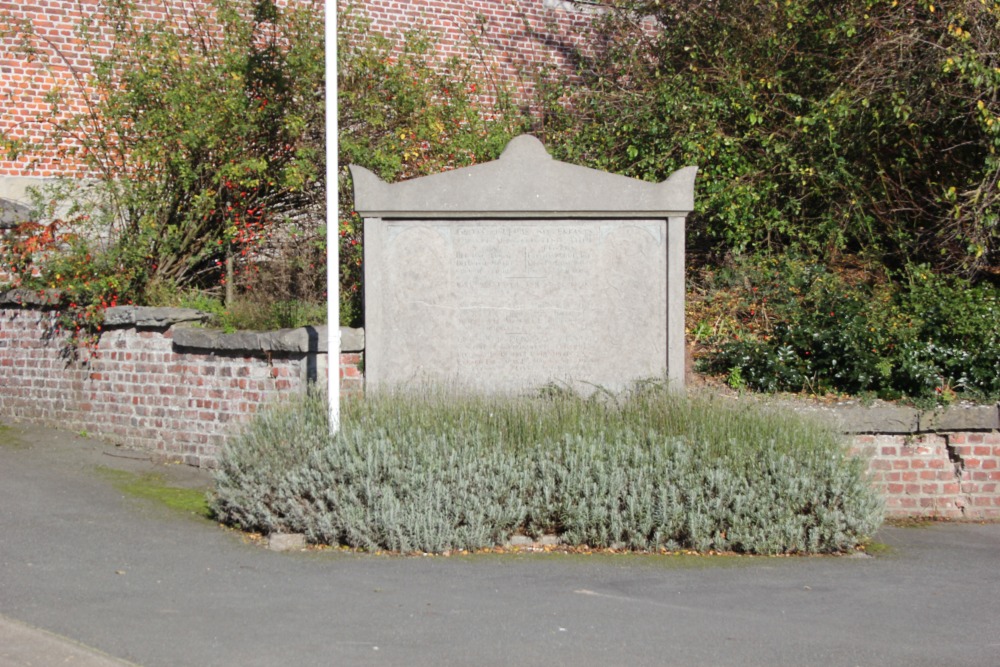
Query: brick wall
x,y
61,60
509,39
137,388
512,41
951,475
160,389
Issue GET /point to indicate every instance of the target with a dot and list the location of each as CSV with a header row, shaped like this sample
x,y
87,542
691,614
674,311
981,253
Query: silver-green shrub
x,y
647,470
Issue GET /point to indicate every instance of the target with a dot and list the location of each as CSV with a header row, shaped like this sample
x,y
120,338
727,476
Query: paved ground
x,y
83,566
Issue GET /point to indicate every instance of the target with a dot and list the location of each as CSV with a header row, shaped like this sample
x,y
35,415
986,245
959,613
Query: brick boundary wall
x,y
139,387
61,60
155,383
511,41
953,475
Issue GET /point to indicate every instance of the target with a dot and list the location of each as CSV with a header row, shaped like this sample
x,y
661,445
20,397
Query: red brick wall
x,y
511,40
950,475
137,390
61,57
516,37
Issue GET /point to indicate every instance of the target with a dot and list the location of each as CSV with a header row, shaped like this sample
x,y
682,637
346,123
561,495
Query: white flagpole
x,y
332,220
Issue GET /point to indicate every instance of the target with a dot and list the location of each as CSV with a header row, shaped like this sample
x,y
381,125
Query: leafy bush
x,y
870,126
810,329
205,131
48,258
647,471
202,128
406,111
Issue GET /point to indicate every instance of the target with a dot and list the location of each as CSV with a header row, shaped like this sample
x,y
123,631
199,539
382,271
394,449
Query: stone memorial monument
x,y
512,274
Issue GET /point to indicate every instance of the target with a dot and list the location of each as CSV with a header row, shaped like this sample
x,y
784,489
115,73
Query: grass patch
x,y
645,471
878,548
258,312
9,439
151,486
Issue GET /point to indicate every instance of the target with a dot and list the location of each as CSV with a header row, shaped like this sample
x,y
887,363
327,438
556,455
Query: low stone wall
x,y
153,381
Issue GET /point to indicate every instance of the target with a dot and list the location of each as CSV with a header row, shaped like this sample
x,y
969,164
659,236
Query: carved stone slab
x,y
512,274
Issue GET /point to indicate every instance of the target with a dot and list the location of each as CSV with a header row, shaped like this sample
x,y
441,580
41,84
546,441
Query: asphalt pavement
x,y
93,576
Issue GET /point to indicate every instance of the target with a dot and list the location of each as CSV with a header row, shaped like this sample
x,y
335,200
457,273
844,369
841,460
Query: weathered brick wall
x,y
162,389
509,39
61,59
951,475
137,388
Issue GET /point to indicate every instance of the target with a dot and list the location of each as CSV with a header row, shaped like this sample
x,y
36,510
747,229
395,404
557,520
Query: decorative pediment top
x,y
525,182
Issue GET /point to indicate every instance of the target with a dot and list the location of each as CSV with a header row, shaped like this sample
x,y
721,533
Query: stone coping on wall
x,y
892,419
146,317
303,339
23,297
300,340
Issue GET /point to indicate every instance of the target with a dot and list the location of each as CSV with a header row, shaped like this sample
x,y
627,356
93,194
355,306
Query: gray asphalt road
x,y
159,588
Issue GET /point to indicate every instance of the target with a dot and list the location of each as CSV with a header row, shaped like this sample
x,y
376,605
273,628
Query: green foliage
x,y
806,328
245,312
44,257
648,471
867,126
206,132
404,113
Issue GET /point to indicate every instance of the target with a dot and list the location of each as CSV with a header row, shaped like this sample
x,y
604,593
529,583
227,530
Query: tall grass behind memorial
x,y
647,470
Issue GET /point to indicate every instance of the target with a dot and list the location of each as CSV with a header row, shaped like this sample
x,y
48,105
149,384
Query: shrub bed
x,y
645,471
806,328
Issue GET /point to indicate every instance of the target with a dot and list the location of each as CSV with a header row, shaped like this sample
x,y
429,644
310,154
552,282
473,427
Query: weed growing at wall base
x,y
647,470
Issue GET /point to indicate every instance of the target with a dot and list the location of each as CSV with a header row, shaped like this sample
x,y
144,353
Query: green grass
x,y
878,549
646,470
9,439
153,487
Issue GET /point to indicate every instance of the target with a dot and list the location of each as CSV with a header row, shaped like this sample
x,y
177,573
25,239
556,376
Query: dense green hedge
x,y
648,471
810,329
869,126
